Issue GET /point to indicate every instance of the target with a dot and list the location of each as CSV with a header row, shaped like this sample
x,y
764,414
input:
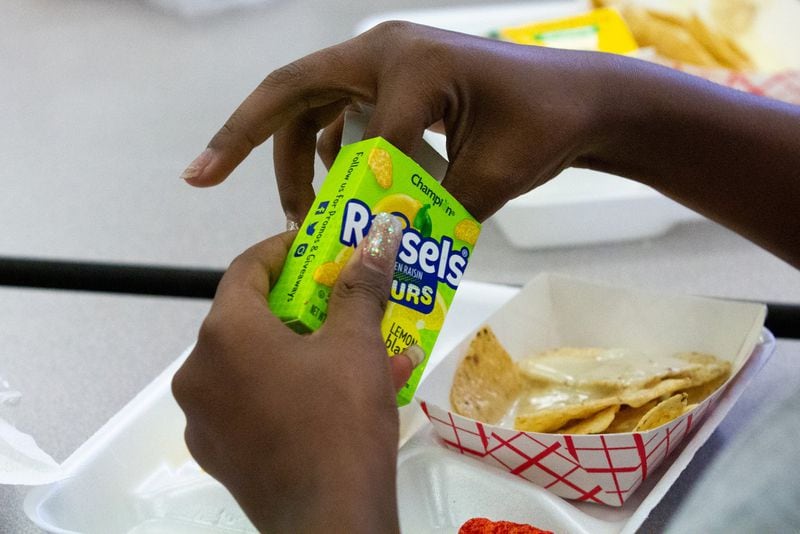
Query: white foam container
x,y
579,206
135,475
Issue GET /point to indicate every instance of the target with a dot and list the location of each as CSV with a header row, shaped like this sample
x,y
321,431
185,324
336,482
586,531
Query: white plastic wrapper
x,y
21,460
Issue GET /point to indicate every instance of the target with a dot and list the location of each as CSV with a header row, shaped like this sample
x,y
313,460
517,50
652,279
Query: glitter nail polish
x,y
382,241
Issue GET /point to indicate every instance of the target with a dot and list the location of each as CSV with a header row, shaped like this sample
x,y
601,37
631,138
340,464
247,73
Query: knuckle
x,y
242,260
213,332
393,29
290,74
187,385
258,255
414,39
327,145
181,389
234,129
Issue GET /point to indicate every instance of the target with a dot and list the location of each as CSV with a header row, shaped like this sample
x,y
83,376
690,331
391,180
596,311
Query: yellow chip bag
x,y
601,30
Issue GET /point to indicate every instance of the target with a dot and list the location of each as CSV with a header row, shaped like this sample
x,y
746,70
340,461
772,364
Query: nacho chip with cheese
x,y
581,390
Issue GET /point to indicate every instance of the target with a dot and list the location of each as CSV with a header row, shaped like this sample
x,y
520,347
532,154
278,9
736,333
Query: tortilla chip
x,y
724,50
667,35
709,367
486,382
555,417
628,417
734,17
662,413
698,394
639,397
605,370
595,424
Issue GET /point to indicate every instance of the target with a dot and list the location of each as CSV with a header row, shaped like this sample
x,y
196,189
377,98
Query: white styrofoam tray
x,y
580,206
135,475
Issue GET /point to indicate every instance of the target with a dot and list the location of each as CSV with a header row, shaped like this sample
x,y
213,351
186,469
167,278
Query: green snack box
x,y
370,177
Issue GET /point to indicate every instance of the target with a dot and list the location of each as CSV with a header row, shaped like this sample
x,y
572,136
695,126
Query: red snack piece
x,y
481,525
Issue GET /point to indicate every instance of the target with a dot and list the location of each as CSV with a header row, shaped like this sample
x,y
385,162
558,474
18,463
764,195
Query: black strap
x,y
783,319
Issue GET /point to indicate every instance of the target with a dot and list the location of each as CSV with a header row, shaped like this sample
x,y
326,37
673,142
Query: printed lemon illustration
x,y
399,203
431,321
398,333
467,231
380,163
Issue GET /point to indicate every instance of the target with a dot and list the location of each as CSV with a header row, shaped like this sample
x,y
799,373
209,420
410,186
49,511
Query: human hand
x,y
515,116
300,429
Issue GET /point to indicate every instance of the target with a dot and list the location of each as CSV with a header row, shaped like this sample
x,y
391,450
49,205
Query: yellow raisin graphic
x,y
467,231
327,273
344,255
380,163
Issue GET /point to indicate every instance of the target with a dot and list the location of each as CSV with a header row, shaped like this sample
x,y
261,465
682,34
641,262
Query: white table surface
x,y
104,103
77,359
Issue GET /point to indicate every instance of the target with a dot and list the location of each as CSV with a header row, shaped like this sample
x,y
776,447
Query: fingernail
x,y
382,242
291,225
197,167
415,354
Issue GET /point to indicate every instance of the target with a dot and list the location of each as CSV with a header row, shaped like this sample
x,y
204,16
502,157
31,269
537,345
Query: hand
x,y
302,430
515,116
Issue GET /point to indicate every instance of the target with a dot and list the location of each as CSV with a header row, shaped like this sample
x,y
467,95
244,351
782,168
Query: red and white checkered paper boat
x,y
554,311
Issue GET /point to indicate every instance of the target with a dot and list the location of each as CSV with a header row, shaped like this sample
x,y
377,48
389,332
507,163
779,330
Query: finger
x,y
399,120
483,180
469,188
404,364
250,276
438,127
294,171
330,141
312,81
293,154
359,296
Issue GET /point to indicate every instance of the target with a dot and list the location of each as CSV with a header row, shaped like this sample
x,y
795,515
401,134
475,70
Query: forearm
x,y
731,156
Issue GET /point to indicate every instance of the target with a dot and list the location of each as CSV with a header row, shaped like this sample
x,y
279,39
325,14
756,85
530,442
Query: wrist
x,y
618,110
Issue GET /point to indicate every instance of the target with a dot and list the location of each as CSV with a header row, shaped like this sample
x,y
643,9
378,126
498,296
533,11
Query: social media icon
x,y
300,250
321,208
311,228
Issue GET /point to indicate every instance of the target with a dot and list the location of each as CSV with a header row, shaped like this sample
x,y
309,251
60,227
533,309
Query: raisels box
x,y
556,311
369,177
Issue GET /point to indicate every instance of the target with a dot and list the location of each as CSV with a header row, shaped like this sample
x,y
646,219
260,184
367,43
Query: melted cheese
x,y
608,369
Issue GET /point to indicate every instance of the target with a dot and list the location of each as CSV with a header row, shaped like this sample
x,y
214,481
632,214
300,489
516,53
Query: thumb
x,y
359,297
404,364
